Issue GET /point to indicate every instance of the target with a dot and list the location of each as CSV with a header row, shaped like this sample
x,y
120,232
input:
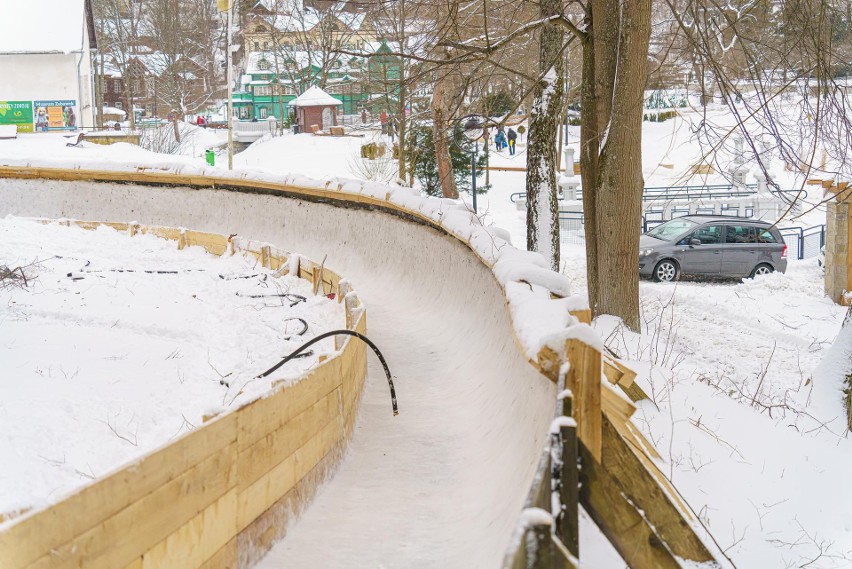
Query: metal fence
x,y
572,228
803,242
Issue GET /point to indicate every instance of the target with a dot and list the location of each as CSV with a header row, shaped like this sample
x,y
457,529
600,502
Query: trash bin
x,y
210,156
295,129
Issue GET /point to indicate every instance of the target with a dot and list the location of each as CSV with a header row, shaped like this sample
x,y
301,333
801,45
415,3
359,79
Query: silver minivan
x,y
711,246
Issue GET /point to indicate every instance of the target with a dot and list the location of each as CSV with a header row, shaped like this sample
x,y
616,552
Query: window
x,y
710,235
263,65
262,90
740,234
263,112
118,104
671,229
266,45
766,237
117,86
256,46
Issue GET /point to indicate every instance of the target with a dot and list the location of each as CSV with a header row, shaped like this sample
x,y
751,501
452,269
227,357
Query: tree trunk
x,y
402,97
589,143
439,137
614,139
542,203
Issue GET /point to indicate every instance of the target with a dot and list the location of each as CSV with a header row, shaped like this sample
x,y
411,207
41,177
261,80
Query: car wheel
x,y
762,269
666,271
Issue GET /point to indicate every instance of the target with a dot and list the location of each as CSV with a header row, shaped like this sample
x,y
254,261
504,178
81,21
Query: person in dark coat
x,y
512,136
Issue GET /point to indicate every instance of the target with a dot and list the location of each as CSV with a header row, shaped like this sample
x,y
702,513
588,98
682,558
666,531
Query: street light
x,y
472,127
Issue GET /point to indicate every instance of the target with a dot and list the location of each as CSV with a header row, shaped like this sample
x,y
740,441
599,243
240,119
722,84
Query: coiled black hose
x,y
325,335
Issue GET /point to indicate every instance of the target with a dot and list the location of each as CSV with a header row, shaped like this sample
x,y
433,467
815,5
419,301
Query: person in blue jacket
x,y
500,140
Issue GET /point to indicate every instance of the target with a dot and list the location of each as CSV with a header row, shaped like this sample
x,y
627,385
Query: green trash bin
x,y
210,156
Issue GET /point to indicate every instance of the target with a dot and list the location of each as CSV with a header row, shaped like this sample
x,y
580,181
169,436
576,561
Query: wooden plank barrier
x,y
637,508
218,496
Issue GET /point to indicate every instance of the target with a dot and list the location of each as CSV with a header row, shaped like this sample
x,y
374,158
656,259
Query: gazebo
x,y
315,107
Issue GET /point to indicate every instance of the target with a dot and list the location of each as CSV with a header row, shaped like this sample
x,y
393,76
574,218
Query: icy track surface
x,y
442,484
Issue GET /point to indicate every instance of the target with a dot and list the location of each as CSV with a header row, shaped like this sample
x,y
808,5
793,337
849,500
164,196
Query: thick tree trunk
x,y
439,137
617,183
542,204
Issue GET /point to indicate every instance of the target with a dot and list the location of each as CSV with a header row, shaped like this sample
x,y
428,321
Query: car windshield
x,y
671,229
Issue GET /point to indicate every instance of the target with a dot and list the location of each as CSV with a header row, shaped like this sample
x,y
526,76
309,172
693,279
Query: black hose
x,y
302,331
361,337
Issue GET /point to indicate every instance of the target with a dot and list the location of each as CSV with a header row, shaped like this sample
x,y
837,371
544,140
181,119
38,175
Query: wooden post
x,y
182,240
538,540
316,279
584,381
343,288
568,523
584,316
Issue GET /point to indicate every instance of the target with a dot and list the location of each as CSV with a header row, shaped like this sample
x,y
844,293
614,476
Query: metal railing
x,y
716,191
803,242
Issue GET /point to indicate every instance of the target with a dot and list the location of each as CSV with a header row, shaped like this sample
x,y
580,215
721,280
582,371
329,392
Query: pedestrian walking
x,y
512,136
500,140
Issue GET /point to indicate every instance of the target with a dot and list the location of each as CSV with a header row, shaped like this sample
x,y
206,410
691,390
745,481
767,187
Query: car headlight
x,y
645,252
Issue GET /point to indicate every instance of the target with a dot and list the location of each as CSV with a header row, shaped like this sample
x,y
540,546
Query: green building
x,y
272,80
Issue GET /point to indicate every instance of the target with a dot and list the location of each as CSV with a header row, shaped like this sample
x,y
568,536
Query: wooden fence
x,y
220,495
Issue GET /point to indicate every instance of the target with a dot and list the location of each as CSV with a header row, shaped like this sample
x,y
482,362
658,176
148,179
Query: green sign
x,y
19,113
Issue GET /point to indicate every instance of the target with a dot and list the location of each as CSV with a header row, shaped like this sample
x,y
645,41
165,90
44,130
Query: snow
x,y
760,457
314,97
104,365
39,26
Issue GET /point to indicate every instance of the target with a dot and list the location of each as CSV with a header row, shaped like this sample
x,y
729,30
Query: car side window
x,y
766,237
709,235
740,234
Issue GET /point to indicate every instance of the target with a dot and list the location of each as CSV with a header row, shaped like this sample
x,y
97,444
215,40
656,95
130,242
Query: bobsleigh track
x,y
442,484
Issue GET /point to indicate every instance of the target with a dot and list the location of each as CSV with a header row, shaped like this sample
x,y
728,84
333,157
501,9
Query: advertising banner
x,y
19,113
55,115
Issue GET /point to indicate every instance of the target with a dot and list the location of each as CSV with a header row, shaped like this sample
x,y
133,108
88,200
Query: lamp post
x,y
472,127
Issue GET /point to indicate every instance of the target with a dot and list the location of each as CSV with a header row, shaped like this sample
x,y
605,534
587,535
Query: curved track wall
x,y
218,496
474,413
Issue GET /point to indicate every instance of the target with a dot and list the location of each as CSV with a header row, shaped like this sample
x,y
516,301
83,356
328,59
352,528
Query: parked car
x,y
711,246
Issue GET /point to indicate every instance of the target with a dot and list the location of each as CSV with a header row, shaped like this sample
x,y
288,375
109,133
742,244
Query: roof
x,y
704,218
314,97
43,26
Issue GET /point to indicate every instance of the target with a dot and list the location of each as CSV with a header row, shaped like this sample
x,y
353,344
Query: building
x,y
315,107
271,80
45,63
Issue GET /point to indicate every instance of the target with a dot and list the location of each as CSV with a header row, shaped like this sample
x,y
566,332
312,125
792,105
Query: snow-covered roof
x,y
314,97
39,26
114,111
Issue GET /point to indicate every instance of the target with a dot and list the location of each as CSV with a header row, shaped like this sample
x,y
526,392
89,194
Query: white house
x,y
45,65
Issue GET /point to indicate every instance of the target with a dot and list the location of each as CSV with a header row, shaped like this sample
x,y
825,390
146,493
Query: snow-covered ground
x,y
115,345
748,421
